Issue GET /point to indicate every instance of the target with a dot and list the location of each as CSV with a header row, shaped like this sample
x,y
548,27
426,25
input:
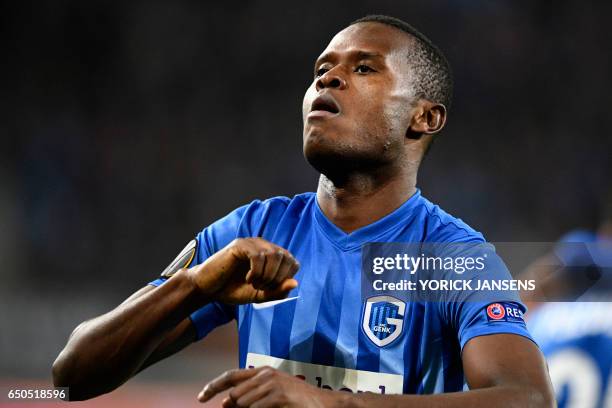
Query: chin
x,y
319,145
323,155
336,160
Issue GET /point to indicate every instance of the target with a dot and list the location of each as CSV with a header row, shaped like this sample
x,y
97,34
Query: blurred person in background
x,y
379,95
576,337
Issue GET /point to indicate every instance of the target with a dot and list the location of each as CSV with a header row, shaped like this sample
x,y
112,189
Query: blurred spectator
x,y
576,338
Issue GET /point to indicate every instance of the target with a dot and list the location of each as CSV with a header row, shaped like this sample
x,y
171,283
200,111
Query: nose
x,y
331,79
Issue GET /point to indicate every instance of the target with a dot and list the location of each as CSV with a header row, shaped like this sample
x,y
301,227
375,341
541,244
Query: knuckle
x,y
237,241
257,261
233,395
238,244
293,270
267,371
229,375
260,242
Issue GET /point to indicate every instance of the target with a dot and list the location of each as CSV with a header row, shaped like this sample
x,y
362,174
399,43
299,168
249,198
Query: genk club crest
x,y
383,319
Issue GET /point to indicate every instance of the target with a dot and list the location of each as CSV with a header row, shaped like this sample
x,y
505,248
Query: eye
x,y
321,71
362,69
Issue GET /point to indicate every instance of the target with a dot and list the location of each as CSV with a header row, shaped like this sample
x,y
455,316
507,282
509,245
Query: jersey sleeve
x,y
482,319
210,240
476,313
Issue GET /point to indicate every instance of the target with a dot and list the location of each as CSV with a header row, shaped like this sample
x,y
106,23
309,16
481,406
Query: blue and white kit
x,y
318,332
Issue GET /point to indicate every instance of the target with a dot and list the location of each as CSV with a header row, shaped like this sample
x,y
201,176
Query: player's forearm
x,y
104,352
498,396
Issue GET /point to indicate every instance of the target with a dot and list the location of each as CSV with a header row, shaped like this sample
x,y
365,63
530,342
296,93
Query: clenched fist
x,y
248,270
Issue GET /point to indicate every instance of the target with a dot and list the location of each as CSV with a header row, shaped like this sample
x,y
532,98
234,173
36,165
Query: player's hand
x,y
266,387
248,270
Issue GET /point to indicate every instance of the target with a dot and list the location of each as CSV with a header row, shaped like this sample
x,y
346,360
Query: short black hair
x,y
434,77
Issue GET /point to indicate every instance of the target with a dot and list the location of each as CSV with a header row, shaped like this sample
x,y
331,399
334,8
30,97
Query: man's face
x,y
358,108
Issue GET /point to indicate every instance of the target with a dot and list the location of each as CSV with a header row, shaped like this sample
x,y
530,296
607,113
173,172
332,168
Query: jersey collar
x,y
370,233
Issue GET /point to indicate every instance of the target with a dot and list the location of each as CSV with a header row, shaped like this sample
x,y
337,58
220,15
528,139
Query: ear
x,y
428,118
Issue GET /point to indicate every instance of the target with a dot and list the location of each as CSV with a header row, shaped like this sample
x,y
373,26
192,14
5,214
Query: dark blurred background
x,y
127,127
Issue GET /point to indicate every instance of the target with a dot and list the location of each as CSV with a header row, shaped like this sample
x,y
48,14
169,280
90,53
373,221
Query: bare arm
x,y
502,370
104,352
174,341
153,323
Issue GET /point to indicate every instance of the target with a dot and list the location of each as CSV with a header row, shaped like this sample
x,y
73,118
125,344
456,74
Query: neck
x,y
361,199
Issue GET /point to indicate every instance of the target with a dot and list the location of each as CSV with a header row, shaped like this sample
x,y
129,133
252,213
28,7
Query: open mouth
x,y
325,103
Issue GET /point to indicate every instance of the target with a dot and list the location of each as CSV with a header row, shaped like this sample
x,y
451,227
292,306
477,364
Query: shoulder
x,y
261,216
278,206
255,219
441,226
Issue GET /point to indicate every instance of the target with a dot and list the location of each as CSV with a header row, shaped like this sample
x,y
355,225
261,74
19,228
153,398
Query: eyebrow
x,y
357,54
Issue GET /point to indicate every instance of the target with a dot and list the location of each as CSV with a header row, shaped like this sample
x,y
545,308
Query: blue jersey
x,y
317,333
576,338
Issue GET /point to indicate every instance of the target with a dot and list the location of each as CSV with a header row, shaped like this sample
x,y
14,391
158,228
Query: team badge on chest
x,y
383,319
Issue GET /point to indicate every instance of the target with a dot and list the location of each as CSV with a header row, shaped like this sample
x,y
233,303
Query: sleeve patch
x,y
504,312
183,259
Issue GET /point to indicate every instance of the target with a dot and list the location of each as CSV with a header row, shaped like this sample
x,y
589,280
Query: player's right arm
x,y
153,323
